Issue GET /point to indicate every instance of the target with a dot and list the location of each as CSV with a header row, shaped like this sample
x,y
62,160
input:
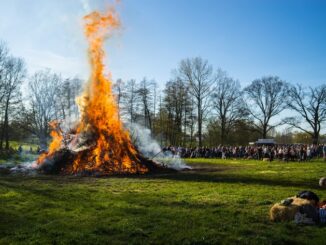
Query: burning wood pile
x,y
99,144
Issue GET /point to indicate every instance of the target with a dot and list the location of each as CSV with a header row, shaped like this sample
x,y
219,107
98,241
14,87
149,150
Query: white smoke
x,y
86,6
26,168
151,149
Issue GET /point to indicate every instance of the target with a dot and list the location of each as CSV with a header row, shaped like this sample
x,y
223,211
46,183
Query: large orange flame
x,y
113,150
56,143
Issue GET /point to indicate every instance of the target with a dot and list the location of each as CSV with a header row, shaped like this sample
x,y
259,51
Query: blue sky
x,y
248,39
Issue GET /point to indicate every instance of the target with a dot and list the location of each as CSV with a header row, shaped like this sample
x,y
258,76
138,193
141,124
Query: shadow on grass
x,y
234,179
18,182
200,173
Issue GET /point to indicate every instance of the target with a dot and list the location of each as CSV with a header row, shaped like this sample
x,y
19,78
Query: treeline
x,y
29,104
198,106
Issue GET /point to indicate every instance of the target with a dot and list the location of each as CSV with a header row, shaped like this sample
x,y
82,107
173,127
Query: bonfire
x,y
98,143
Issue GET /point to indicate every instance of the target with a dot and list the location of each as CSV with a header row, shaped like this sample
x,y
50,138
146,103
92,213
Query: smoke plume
x,y
150,148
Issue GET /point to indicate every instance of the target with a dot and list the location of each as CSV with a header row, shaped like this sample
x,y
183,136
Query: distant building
x,y
265,142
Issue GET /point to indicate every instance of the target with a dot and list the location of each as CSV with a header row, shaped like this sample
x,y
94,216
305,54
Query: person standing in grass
x,y
308,153
301,154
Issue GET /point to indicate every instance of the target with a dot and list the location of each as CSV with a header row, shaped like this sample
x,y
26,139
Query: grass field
x,y
217,202
25,146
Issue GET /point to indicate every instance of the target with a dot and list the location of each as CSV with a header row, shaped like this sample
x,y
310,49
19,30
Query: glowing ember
x,y
110,150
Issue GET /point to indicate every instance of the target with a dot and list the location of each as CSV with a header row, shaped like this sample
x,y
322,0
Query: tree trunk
x,y
199,125
264,131
43,142
7,135
4,133
222,131
2,137
315,137
184,138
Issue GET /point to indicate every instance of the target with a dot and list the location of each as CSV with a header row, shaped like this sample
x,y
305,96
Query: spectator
x,y
281,152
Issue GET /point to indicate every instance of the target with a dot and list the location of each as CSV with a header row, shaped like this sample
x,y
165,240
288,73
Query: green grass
x,y
25,145
220,202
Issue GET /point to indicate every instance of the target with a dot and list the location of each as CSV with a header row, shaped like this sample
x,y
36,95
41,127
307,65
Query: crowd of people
x,y
297,152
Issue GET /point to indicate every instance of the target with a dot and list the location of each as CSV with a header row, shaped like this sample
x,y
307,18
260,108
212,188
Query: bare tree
x,y
154,93
130,100
310,104
228,103
198,75
267,98
63,102
66,102
175,103
3,59
160,121
76,88
192,121
13,73
146,100
44,94
118,89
